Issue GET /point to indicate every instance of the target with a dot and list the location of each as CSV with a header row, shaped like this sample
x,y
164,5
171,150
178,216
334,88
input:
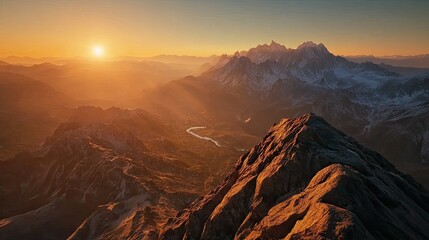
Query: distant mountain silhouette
x,y
417,61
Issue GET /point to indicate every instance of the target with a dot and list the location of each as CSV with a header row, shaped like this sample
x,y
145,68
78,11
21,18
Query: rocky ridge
x,y
307,180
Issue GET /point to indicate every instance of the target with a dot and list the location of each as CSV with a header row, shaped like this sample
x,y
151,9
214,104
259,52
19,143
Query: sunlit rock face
x,y
307,180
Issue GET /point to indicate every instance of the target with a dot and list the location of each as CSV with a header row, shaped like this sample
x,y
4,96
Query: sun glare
x,y
98,51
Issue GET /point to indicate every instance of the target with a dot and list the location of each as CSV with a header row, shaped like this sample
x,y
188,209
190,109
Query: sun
x,y
98,51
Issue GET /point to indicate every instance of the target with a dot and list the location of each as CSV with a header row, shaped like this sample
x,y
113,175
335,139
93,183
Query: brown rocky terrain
x,y
105,174
307,180
125,174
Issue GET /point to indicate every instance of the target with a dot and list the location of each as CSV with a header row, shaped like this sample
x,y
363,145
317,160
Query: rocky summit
x,y
308,180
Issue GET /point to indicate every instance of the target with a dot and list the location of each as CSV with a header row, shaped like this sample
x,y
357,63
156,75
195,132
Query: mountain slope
x,y
258,69
97,158
29,112
111,173
98,82
252,89
307,180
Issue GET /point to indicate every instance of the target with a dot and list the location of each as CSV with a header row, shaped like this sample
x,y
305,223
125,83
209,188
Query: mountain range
x,y
100,161
252,89
266,143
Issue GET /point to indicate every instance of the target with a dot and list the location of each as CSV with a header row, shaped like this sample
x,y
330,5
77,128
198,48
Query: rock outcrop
x,y
307,180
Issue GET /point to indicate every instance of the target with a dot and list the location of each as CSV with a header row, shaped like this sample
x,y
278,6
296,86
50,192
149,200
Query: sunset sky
x,y
147,28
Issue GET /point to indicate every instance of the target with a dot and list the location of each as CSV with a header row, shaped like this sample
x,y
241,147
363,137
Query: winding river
x,y
189,130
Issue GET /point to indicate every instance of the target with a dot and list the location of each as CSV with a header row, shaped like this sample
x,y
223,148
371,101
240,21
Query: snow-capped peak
x,y
277,46
264,52
313,48
260,67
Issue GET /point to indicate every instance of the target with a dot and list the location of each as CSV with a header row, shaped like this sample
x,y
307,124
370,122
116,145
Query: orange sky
x,y
147,28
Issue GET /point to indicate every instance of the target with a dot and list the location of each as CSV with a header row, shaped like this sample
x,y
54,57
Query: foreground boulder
x,y
307,180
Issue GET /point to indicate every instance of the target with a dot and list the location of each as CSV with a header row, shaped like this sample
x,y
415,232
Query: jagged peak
x,y
314,130
239,59
263,52
312,45
273,46
277,47
307,44
305,119
274,43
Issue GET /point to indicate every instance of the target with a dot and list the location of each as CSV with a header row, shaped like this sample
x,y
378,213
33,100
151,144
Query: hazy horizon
x,y
203,28
206,56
